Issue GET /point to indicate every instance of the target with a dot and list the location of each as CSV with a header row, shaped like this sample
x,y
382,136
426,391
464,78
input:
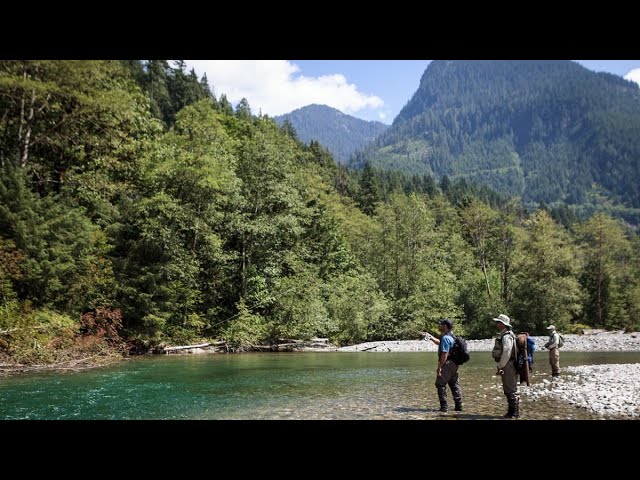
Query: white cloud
x,y
277,87
382,115
633,75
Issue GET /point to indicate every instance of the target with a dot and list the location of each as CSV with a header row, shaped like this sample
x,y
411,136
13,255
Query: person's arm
x,y
428,336
507,346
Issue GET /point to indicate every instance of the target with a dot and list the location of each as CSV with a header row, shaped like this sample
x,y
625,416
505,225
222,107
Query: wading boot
x,y
514,407
442,396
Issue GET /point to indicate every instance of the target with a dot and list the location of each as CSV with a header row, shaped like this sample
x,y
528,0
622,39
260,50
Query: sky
x,y
367,89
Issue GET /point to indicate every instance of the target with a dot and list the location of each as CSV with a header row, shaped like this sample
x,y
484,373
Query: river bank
x,y
597,388
72,365
594,342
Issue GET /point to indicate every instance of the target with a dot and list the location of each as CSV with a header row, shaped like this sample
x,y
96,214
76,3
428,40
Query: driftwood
x,y
185,347
371,348
9,330
75,364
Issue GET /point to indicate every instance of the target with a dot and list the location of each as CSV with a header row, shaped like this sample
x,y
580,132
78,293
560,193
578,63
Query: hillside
x,y
341,134
549,131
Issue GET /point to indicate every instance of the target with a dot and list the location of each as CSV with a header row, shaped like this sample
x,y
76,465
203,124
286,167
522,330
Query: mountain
x,y
342,134
549,131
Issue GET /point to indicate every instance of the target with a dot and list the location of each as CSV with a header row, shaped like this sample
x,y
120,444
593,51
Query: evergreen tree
x,y
225,105
243,110
289,129
369,195
157,81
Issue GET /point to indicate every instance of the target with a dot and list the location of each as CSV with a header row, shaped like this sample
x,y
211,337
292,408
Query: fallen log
x,y
185,347
371,348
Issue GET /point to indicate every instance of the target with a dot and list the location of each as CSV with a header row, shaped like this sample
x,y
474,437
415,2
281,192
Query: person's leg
x,y
454,385
554,359
510,388
441,386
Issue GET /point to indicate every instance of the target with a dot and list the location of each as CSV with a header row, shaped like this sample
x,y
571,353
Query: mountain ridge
x,y
548,131
340,133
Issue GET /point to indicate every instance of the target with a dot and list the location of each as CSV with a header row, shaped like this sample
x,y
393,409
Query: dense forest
x,y
137,209
546,131
341,134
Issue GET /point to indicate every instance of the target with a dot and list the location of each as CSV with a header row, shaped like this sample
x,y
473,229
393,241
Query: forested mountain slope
x,y
548,131
341,134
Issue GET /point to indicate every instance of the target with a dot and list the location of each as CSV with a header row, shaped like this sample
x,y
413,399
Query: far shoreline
x,y
594,342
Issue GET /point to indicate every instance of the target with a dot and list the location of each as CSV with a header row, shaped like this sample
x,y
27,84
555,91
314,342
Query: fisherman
x,y
554,351
447,369
504,352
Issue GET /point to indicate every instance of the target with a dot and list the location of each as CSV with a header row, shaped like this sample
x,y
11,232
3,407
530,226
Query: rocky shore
x,y
596,388
593,342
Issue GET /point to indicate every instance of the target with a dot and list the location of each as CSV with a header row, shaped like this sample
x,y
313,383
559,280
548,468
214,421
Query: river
x,y
281,386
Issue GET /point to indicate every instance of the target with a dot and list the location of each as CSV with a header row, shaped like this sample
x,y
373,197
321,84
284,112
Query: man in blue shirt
x,y
447,370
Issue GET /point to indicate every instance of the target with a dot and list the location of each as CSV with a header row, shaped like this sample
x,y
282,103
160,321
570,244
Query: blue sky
x,y
367,89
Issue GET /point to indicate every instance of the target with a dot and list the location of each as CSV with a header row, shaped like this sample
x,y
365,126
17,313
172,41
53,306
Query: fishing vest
x,y
496,353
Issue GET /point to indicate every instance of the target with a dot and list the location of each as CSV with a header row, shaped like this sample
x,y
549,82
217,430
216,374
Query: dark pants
x,y
449,376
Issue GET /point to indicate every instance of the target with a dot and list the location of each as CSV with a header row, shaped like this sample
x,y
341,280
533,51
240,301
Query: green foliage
x,y
608,277
545,277
368,193
63,255
33,336
10,270
170,89
356,308
170,257
243,110
245,331
299,308
226,226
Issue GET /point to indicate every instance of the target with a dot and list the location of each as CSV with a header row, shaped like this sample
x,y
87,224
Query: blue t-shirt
x,y
446,342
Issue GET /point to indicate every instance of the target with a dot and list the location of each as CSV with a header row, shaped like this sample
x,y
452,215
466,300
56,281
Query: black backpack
x,y
459,353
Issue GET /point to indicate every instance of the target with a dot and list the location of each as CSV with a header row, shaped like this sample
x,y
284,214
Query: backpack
x,y
459,353
560,341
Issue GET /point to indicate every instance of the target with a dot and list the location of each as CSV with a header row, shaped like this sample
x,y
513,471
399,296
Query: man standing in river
x,y
447,370
504,352
554,351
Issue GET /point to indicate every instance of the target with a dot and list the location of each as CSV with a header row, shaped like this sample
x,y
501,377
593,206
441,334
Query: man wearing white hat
x,y
505,353
554,351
